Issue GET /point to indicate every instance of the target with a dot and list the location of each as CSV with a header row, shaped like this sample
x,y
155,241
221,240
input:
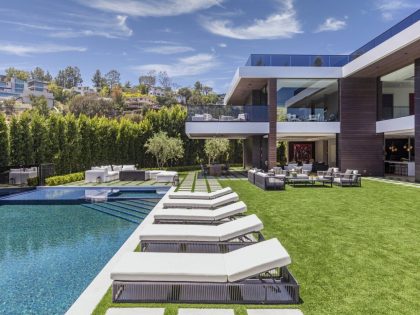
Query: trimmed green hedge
x,y
64,179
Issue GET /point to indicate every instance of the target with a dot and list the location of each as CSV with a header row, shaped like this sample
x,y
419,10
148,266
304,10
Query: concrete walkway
x,y
395,182
199,183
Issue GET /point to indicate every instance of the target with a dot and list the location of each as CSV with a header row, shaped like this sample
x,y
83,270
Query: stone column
x,y
272,120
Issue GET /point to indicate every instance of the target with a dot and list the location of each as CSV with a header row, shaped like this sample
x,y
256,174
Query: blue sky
x,y
192,40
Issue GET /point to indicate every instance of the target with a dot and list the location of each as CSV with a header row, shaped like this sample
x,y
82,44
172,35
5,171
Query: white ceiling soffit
x,y
406,73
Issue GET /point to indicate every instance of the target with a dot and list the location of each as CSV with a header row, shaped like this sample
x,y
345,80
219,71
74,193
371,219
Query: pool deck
x,y
92,295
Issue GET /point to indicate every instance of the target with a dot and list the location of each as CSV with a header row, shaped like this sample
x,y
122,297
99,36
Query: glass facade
x,y
314,100
264,60
397,94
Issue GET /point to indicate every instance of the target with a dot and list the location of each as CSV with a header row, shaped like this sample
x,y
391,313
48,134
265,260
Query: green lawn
x,y
354,250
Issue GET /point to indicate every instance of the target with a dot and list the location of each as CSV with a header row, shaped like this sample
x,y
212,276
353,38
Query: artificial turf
x,y
354,250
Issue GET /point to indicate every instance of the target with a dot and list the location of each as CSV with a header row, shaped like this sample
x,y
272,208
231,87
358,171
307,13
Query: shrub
x,y
33,181
64,179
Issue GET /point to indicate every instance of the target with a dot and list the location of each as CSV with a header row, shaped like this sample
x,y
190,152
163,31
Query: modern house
x,y
23,90
357,111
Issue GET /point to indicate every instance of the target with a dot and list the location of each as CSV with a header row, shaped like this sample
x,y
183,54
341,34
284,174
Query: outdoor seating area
x,y
20,176
201,248
277,178
106,174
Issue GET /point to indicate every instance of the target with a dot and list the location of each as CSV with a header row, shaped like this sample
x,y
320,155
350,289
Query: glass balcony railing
x,y
222,113
305,115
264,60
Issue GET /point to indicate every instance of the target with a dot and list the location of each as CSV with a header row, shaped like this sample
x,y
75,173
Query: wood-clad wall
x,y
272,120
359,146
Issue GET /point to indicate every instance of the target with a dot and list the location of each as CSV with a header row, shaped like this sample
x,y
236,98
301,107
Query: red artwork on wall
x,y
302,152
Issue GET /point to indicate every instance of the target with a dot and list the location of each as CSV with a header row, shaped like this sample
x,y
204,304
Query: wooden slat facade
x,y
359,146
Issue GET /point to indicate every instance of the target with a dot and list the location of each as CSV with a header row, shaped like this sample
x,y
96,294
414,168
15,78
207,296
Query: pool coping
x,y
94,292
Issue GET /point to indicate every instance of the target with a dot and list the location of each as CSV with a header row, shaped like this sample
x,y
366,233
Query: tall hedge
x,y
4,141
75,144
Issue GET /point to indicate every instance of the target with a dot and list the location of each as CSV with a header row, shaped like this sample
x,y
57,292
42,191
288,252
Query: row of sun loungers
x,y
201,248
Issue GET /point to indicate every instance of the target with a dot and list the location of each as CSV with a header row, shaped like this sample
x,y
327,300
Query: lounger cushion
x,y
207,204
201,233
201,195
201,214
242,226
230,267
252,260
170,267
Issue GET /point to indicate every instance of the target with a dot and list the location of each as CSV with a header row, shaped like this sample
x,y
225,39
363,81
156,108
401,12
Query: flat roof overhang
x,y
397,52
249,78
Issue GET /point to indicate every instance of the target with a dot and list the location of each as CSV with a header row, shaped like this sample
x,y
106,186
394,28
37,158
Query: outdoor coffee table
x,y
300,181
324,181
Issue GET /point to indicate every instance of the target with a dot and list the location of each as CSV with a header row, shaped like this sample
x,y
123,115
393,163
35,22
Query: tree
x,y
98,80
39,136
112,78
186,92
149,79
198,87
26,138
40,104
4,142
207,90
69,77
8,105
16,156
59,93
164,148
91,106
216,148
40,75
16,73
164,80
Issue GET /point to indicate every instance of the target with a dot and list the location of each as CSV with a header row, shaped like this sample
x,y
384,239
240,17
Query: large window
x,y
314,100
397,94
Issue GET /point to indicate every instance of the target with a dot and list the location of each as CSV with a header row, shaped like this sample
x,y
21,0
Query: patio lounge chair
x,y
224,237
349,178
200,195
256,274
200,215
203,204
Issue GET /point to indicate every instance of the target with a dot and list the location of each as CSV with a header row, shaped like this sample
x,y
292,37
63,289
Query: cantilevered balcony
x,y
226,121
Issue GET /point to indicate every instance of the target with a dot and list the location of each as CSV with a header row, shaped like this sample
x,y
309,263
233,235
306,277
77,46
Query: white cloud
x,y
168,49
222,45
151,7
98,26
281,24
183,67
331,24
25,50
388,8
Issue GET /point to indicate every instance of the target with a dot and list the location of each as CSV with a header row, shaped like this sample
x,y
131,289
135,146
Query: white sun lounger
x,y
199,215
200,203
201,195
235,277
202,233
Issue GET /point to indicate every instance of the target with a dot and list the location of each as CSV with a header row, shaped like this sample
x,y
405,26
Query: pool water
x,y
50,253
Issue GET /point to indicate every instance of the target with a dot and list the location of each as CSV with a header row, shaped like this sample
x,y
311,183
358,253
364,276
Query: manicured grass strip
x,y
353,250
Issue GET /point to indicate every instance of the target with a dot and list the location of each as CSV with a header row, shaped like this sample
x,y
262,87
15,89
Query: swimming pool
x,y
49,253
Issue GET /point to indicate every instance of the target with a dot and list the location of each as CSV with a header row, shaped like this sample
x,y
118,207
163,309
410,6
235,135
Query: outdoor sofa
x,y
101,174
195,216
166,177
200,195
197,238
201,203
267,182
251,175
256,274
